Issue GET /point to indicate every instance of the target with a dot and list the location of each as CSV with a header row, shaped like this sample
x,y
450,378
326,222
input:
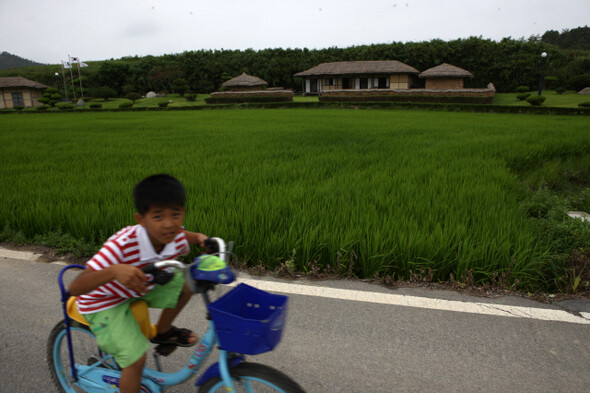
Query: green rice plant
x,y
365,193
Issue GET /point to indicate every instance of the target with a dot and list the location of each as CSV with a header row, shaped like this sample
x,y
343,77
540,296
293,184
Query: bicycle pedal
x,y
165,349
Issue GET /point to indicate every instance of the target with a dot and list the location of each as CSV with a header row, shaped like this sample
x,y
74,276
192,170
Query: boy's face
x,y
162,224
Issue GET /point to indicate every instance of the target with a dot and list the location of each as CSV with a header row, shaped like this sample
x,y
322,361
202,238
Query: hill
x,y
8,60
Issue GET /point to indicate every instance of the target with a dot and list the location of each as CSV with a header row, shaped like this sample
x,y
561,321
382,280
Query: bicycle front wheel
x,y
85,349
252,377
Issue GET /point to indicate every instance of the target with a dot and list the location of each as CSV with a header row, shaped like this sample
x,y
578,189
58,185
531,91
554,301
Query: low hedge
x,y
451,107
245,99
410,98
65,106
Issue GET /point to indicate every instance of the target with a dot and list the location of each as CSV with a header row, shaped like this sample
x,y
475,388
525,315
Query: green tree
x,y
113,74
579,82
161,77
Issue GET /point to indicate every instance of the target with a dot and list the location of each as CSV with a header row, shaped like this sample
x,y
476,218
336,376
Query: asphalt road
x,y
333,345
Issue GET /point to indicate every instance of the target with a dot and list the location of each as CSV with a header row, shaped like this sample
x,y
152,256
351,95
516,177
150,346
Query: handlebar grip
x,y
160,277
211,245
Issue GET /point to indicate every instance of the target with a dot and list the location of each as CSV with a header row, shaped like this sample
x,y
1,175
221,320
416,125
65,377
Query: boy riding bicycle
x,y
113,279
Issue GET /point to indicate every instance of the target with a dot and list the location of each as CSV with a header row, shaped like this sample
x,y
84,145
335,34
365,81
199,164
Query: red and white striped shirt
x,y
132,246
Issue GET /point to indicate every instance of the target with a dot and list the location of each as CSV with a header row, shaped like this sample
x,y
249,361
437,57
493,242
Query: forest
x,y
507,64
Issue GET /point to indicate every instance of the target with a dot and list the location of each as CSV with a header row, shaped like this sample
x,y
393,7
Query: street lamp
x,y
543,58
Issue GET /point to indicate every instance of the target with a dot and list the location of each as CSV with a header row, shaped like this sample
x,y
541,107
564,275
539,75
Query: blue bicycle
x,y
245,321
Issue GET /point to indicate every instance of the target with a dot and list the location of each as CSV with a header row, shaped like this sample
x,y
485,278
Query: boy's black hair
x,y
158,190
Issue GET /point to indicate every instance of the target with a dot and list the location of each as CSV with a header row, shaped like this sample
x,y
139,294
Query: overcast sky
x,y
47,31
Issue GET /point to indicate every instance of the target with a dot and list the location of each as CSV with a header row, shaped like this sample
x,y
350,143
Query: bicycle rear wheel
x,y
252,377
85,349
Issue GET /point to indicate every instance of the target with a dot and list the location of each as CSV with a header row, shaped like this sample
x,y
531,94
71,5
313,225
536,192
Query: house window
x,y
382,83
346,83
329,82
364,83
17,99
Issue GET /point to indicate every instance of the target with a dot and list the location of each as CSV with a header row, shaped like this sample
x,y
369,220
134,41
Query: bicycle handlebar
x,y
170,263
162,276
214,246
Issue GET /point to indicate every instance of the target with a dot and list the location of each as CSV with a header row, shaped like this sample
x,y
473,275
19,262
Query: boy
x,y
113,278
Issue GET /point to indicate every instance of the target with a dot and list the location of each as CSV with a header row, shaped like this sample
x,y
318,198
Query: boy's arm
x,y
195,238
130,276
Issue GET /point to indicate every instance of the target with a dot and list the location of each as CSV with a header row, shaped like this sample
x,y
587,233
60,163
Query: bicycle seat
x,y
139,308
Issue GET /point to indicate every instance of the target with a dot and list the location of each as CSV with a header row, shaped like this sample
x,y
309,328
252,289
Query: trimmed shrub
x,y
105,93
551,82
42,107
560,90
124,105
95,106
129,88
584,104
523,96
19,107
190,97
522,89
163,104
51,96
133,96
535,100
64,106
180,86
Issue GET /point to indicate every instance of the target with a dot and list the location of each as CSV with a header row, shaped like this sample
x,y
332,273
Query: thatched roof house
x,y
445,76
357,75
19,91
244,82
359,68
248,89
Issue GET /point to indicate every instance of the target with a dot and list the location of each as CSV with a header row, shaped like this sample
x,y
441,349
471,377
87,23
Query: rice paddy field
x,y
366,192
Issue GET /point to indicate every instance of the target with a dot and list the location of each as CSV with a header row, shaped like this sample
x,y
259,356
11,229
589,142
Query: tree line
x,y
508,64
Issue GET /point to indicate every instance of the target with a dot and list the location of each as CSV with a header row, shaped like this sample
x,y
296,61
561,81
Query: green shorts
x,y
117,331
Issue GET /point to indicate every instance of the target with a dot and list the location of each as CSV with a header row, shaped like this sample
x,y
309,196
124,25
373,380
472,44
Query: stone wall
x,y
481,96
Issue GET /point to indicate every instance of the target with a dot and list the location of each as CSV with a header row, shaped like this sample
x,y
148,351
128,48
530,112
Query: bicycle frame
x,y
94,378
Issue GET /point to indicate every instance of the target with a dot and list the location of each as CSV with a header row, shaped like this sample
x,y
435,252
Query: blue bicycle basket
x,y
248,320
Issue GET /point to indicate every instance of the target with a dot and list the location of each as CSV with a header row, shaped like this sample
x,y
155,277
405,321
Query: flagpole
x,y
72,77
80,77
63,73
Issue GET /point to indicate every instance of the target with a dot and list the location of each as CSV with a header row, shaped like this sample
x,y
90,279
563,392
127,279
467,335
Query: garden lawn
x,y
370,192
568,99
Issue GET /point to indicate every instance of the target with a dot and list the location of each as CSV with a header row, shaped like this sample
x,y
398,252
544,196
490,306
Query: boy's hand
x,y
195,238
131,277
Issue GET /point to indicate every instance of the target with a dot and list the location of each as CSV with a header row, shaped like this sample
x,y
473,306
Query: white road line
x,y
502,310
